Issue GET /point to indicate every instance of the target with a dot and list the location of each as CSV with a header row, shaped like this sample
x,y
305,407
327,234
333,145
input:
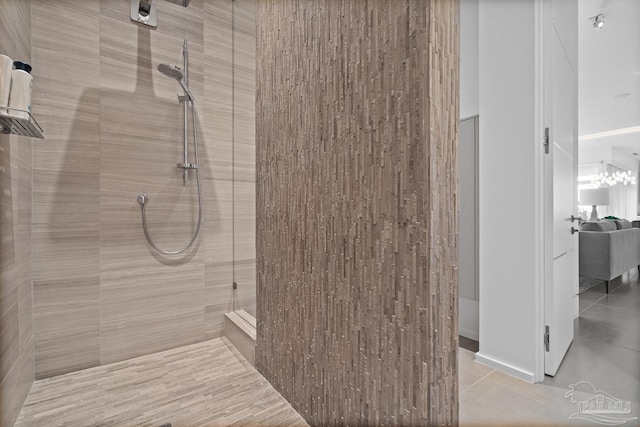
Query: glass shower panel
x,y
244,177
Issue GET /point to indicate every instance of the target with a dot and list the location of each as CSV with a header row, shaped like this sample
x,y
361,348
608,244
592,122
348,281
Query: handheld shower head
x,y
175,72
171,70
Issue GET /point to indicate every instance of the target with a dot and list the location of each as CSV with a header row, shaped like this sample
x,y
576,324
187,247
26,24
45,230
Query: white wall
x,y
508,235
623,160
468,320
593,152
608,65
469,57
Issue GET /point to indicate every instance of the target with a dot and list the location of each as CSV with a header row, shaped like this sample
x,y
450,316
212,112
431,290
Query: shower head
x,y
171,70
175,72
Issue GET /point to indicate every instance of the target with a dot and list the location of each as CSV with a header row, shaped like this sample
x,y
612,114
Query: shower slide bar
x,y
188,100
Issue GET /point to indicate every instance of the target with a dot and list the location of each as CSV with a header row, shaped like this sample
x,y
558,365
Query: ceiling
x,y
609,72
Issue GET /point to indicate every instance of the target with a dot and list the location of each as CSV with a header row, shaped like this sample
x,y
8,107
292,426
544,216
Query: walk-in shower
x,y
182,76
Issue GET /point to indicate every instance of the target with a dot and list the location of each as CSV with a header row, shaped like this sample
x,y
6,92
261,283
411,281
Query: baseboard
x,y
506,368
240,330
467,333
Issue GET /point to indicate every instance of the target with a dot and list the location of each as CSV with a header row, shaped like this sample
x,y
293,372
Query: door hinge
x,y
546,338
546,141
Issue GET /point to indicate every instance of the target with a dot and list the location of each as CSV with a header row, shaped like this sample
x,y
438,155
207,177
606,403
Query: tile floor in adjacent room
x,y
210,383
605,352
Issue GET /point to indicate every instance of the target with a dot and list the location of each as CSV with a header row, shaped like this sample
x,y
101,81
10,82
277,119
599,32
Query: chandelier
x,y
604,178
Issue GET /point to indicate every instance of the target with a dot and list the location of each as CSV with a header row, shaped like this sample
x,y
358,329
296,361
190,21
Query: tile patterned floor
x,y
605,352
205,384
226,390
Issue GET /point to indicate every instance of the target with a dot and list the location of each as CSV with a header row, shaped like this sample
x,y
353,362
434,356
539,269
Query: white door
x,y
560,114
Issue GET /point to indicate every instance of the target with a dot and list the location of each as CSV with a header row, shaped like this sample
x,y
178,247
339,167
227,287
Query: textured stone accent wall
x,y
356,165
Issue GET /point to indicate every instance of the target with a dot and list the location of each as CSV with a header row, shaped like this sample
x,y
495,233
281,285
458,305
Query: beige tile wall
x,y
356,144
66,204
16,326
114,129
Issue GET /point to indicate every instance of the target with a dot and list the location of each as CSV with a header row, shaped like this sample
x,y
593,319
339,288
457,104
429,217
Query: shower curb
x,y
240,330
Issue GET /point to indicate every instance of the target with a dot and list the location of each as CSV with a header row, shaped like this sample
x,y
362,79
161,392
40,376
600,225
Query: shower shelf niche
x,y
19,126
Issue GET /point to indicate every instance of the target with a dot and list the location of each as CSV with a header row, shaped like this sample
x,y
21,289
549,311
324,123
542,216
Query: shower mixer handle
x,y
187,166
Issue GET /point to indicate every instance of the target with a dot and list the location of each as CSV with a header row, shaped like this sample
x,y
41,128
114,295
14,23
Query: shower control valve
x,y
142,198
187,165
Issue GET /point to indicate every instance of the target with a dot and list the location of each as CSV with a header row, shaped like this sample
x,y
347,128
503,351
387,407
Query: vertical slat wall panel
x,y
356,157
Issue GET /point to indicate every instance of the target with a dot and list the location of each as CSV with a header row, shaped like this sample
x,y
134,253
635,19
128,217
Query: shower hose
x,y
143,198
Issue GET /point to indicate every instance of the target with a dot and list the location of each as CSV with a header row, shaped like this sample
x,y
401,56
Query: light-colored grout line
x,y
511,390
592,304
467,388
606,295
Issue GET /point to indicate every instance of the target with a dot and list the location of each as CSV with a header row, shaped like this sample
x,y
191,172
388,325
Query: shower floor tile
x,y
205,384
